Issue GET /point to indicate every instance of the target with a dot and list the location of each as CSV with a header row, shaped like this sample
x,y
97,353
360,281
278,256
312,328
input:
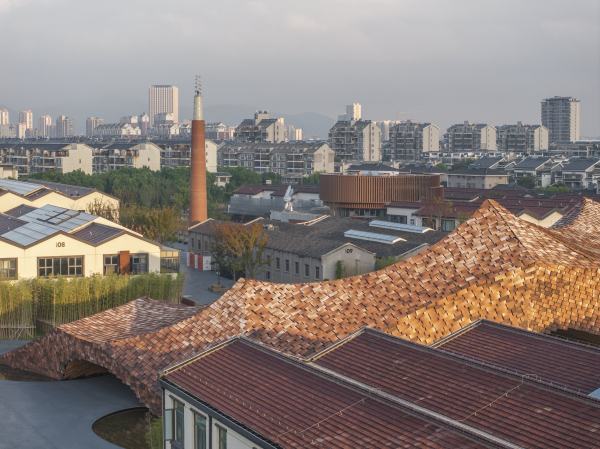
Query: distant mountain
x,y
313,124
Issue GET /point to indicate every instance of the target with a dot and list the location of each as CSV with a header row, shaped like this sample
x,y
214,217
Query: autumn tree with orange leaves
x,y
239,247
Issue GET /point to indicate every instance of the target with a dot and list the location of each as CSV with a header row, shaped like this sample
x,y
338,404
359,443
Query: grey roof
x,y
97,233
580,165
478,172
46,221
19,187
62,188
531,163
327,235
23,209
487,162
8,223
372,167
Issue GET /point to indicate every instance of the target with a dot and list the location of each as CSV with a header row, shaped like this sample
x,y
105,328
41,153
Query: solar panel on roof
x,y
399,226
19,187
373,237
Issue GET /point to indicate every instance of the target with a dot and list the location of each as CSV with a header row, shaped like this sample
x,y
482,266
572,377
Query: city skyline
x,y
329,55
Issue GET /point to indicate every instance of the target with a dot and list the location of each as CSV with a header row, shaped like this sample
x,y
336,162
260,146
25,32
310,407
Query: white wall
x,y
80,158
356,260
9,201
234,439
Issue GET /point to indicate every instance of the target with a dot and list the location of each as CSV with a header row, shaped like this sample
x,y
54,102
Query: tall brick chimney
x,y
198,201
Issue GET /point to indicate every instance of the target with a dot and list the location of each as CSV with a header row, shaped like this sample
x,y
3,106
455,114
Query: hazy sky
x,y
481,60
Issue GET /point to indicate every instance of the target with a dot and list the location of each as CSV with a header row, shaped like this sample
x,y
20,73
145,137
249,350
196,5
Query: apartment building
x,y
163,98
219,131
117,130
477,178
35,157
260,129
561,116
176,153
541,168
4,117
522,138
168,131
293,134
292,160
8,131
409,139
126,155
65,126
470,136
356,140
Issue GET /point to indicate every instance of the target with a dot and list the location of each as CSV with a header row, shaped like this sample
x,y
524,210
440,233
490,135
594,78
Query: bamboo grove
x,y
30,306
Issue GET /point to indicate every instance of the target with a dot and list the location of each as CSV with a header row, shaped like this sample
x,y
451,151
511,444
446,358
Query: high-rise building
x,y
4,117
410,139
164,99
44,124
561,116
64,126
91,124
353,111
27,118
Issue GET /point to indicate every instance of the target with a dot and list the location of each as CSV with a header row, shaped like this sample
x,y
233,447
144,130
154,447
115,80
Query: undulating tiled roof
x,y
548,358
494,266
283,400
512,407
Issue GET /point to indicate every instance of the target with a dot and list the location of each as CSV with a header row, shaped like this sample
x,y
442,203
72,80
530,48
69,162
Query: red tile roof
x,y
522,411
570,364
296,406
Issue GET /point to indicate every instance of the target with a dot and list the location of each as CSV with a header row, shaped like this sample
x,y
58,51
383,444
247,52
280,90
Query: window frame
x,y
176,421
297,268
287,265
104,265
277,263
221,442
306,270
317,272
131,264
53,263
9,278
196,425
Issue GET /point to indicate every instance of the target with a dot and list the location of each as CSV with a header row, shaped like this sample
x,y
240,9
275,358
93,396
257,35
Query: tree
x,y
462,164
274,177
442,166
462,216
313,178
241,176
103,209
383,262
219,249
529,182
159,224
241,247
435,209
337,159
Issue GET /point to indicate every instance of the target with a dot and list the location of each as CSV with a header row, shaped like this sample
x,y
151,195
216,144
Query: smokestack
x,y
198,201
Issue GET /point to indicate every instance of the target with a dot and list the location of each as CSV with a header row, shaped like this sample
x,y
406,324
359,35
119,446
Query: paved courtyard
x,y
197,283
58,415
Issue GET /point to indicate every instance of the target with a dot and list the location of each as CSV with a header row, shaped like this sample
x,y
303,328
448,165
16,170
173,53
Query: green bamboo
x,y
27,303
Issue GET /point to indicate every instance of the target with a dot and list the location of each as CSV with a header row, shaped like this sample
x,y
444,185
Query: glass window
x,y
449,225
179,411
297,268
287,265
317,273
277,263
60,266
222,438
111,264
306,270
138,263
268,275
199,432
8,268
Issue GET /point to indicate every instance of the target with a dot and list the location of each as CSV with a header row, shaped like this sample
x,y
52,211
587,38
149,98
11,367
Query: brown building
x,y
366,195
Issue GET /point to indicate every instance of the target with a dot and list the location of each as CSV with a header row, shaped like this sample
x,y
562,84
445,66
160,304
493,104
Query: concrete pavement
x,y
197,283
58,415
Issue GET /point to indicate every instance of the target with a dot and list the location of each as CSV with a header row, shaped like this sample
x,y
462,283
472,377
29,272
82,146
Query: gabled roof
x,y
514,407
283,400
478,172
552,359
531,163
580,165
277,189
